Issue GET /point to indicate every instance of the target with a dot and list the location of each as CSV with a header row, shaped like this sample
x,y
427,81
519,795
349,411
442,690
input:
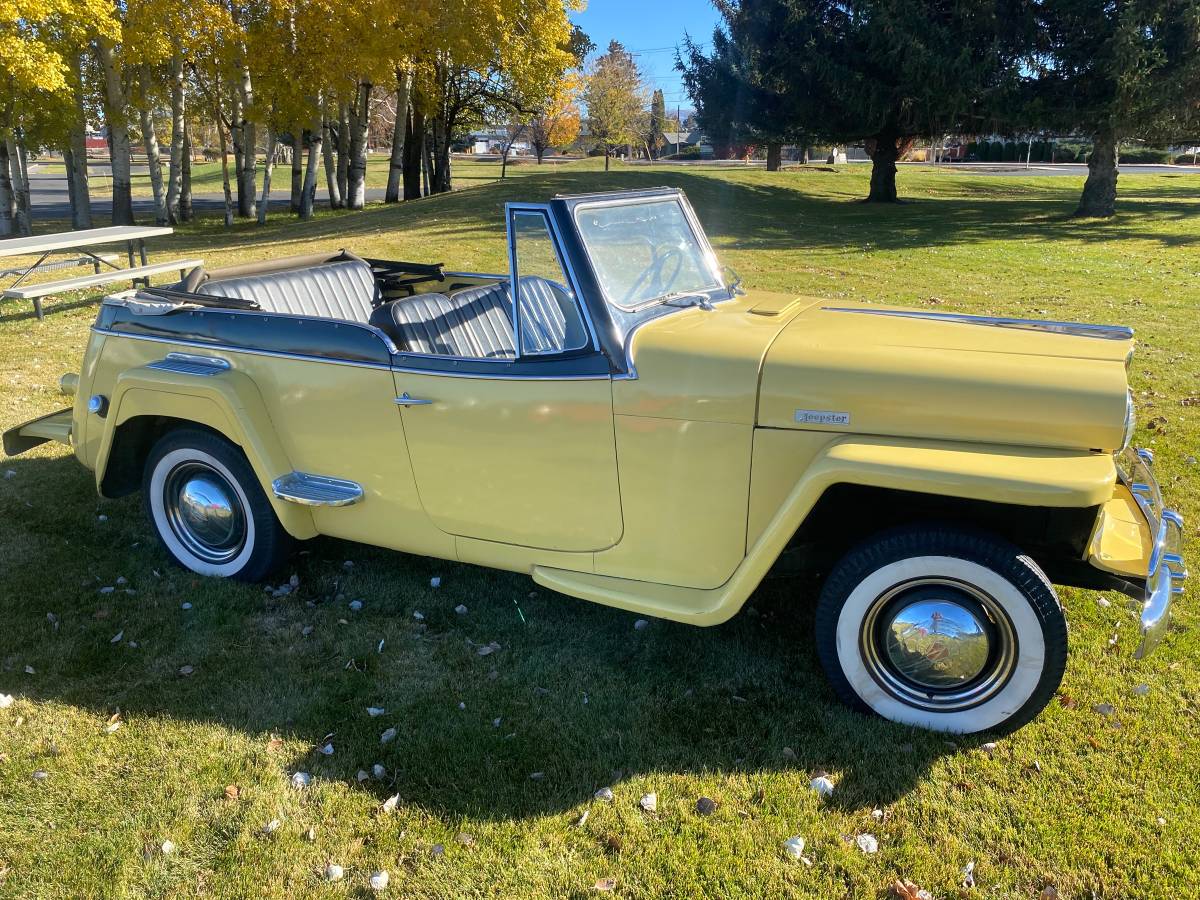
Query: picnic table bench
x,y
133,236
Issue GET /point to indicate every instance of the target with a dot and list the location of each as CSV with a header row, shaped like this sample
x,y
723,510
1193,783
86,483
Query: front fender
x,y
228,403
800,467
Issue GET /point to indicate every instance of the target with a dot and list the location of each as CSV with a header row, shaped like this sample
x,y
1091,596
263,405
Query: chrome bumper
x,y
1167,570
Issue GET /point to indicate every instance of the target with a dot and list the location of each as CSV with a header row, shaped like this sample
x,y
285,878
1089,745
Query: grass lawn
x,y
206,176
1095,805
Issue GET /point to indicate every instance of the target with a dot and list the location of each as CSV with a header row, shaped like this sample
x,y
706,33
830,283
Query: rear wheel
x,y
208,509
942,628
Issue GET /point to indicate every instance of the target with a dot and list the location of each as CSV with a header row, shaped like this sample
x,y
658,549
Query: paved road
x,y
48,191
50,199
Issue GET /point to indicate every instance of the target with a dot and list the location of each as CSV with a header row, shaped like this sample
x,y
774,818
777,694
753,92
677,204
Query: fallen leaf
x,y
793,847
274,745
903,889
537,776
387,736
30,670
435,581
465,839
649,802
969,875
333,872
374,711
605,794
167,847
606,885
356,605
706,806
6,700
1049,892
867,843
582,819
641,624
326,750
41,775
379,771
186,670
301,779
379,880
232,792
437,851
1104,709
822,786
271,827
460,609
389,805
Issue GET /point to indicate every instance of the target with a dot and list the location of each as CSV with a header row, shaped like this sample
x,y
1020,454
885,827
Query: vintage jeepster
x,y
638,430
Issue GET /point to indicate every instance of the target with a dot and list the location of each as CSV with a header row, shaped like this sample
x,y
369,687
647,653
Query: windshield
x,y
645,251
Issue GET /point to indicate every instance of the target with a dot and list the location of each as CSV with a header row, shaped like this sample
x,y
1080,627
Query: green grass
x,y
1104,807
206,176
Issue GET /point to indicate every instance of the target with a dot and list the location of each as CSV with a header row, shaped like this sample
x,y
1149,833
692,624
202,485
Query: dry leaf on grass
x,y
867,843
389,805
605,885
379,880
232,792
649,802
903,889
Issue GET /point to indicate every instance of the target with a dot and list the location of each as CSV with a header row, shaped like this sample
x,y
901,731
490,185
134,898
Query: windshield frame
x,y
718,292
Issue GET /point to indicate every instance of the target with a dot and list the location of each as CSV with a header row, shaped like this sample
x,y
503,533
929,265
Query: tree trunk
x,y
77,171
268,169
308,195
440,182
331,175
605,159
1099,195
225,171
343,152
248,173
884,154
774,157
508,148
115,105
18,165
8,211
185,176
360,112
297,198
237,141
413,152
175,167
396,162
154,162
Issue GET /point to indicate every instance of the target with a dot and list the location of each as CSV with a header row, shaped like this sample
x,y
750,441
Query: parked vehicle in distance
x,y
640,431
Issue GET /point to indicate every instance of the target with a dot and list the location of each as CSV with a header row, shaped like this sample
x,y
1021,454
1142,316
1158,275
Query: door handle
x,y
405,400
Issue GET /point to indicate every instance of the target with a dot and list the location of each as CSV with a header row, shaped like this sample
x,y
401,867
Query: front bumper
x,y
1166,570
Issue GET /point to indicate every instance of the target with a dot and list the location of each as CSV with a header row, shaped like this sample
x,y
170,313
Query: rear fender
x,y
229,404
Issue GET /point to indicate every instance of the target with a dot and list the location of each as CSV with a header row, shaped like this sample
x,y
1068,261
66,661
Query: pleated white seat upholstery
x,y
336,290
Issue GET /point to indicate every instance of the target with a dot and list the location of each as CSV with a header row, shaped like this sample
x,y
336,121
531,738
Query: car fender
x,y
995,473
229,403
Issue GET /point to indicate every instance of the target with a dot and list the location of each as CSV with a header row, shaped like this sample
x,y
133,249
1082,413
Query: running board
x,y
316,490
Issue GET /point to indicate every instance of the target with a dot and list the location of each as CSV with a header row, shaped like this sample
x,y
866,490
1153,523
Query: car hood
x,y
886,370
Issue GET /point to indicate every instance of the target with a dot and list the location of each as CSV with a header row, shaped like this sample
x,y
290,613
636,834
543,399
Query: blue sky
x,y
651,28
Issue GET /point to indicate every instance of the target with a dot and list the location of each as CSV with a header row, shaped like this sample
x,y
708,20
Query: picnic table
x,y
79,242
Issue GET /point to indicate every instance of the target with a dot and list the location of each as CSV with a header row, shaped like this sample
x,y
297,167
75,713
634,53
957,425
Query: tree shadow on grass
x,y
580,694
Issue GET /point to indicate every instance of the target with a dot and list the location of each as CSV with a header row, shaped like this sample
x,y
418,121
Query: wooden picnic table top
x,y
65,240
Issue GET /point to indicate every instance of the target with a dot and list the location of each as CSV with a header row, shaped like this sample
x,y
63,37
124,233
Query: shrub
x,y
972,151
995,151
1010,152
1186,159
1144,155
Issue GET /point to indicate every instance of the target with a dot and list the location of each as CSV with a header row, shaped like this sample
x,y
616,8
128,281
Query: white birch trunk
x,y
175,170
308,194
331,174
396,162
77,174
19,165
115,105
8,210
265,202
154,161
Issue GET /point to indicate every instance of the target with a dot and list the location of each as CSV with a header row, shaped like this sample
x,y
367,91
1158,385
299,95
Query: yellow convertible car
x,y
620,420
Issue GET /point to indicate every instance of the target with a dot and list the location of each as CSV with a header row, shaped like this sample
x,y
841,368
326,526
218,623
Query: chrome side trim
x,y
1079,329
190,364
316,490
229,348
502,376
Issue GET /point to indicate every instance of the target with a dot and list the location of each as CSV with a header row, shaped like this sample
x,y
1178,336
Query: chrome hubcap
x,y
204,512
938,644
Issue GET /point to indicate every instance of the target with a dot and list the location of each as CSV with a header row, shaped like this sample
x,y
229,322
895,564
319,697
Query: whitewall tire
x,y
207,507
942,628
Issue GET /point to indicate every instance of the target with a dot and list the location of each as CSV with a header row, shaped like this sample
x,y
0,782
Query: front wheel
x,y
208,509
942,628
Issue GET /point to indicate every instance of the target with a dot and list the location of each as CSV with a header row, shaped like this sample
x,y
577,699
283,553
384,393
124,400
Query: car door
x,y
521,449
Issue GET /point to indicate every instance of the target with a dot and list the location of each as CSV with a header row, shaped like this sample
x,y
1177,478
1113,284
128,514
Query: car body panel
x,y
1122,543
521,461
916,377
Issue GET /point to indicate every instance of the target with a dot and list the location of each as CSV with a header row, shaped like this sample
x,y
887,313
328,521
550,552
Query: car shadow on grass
x,y
568,698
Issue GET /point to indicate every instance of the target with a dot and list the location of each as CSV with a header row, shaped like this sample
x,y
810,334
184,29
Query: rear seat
x,y
336,290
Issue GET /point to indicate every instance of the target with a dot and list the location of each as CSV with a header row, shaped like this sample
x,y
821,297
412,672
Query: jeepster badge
x,y
822,417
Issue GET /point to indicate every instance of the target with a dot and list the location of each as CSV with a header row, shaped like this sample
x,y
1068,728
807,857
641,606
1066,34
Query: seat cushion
x,y
477,322
337,290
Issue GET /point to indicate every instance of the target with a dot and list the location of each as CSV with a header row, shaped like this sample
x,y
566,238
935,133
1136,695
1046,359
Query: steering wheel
x,y
661,258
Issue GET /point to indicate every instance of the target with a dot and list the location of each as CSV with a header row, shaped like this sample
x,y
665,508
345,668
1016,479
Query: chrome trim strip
x,y
406,401
316,490
1078,329
276,354
191,364
503,376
